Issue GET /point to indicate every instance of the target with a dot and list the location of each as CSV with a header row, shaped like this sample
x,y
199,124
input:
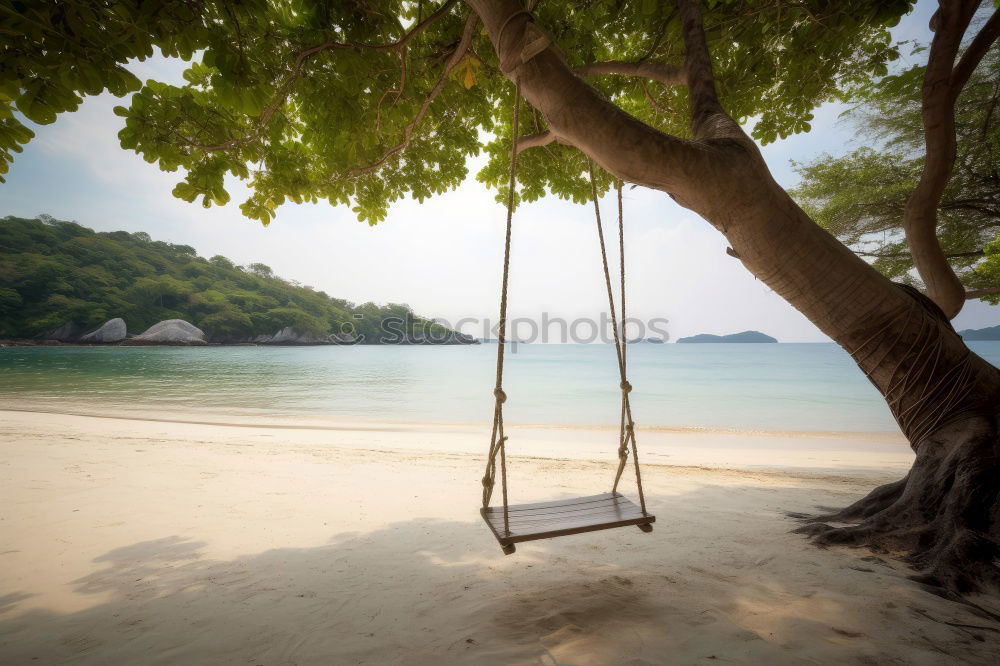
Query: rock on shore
x,y
290,336
170,332
68,332
110,331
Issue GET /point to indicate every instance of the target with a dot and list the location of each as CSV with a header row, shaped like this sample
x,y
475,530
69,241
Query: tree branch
x,y
537,139
652,102
906,255
667,74
973,294
708,118
398,92
463,46
938,113
974,54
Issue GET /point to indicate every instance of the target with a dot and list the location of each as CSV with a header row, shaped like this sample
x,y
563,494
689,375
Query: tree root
x,y
943,518
874,502
824,535
946,559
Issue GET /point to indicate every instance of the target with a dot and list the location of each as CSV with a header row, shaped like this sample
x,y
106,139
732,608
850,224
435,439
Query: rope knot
x,y
625,386
533,41
500,395
630,426
487,482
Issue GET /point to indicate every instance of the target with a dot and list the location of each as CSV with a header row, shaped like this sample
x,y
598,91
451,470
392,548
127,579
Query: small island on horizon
x,y
977,334
744,336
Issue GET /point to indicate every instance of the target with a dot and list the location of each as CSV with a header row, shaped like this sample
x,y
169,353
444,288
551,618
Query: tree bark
x,y
979,293
945,398
666,74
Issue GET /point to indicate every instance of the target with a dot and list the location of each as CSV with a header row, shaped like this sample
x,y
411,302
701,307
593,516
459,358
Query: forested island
x,y
60,280
745,336
976,334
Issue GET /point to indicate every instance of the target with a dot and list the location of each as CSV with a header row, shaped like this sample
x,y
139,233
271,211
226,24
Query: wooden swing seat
x,y
545,520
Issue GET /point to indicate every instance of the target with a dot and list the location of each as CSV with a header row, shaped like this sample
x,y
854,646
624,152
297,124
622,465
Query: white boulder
x,y
290,336
171,332
112,330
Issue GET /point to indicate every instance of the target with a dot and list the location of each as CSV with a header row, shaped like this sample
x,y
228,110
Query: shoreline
x,y
862,454
341,423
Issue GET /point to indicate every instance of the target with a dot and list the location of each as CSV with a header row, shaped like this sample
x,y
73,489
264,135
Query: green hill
x,y
54,272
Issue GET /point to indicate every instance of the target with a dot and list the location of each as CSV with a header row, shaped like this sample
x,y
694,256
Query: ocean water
x,y
810,387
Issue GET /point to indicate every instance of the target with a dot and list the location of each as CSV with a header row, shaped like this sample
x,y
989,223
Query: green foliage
x,y
860,196
228,322
54,53
989,270
10,301
262,270
56,272
222,262
291,96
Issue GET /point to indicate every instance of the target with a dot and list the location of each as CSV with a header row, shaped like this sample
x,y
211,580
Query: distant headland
x,y
67,284
745,336
990,333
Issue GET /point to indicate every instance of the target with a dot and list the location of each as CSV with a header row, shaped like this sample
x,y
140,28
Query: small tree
x,y
860,197
222,262
260,270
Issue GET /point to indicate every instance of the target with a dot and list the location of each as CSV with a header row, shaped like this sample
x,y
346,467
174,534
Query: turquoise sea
x,y
812,387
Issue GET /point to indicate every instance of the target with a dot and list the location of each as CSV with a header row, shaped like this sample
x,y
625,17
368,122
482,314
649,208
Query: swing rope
x,y
498,439
626,432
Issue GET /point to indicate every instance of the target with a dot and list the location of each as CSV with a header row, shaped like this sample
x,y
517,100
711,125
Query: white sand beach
x,y
126,541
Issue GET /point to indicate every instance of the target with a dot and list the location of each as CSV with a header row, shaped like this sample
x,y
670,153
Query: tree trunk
x,y
941,88
945,514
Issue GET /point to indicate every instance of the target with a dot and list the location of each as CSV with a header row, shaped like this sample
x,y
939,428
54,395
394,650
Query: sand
x,y
127,541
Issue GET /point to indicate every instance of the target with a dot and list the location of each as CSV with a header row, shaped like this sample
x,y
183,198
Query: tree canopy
x,y
56,272
860,196
362,103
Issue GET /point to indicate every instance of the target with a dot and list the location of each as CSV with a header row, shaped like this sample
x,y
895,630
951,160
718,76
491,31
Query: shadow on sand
x,y
424,591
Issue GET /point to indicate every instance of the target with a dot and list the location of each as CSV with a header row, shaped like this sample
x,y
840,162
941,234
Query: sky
x,y
442,257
